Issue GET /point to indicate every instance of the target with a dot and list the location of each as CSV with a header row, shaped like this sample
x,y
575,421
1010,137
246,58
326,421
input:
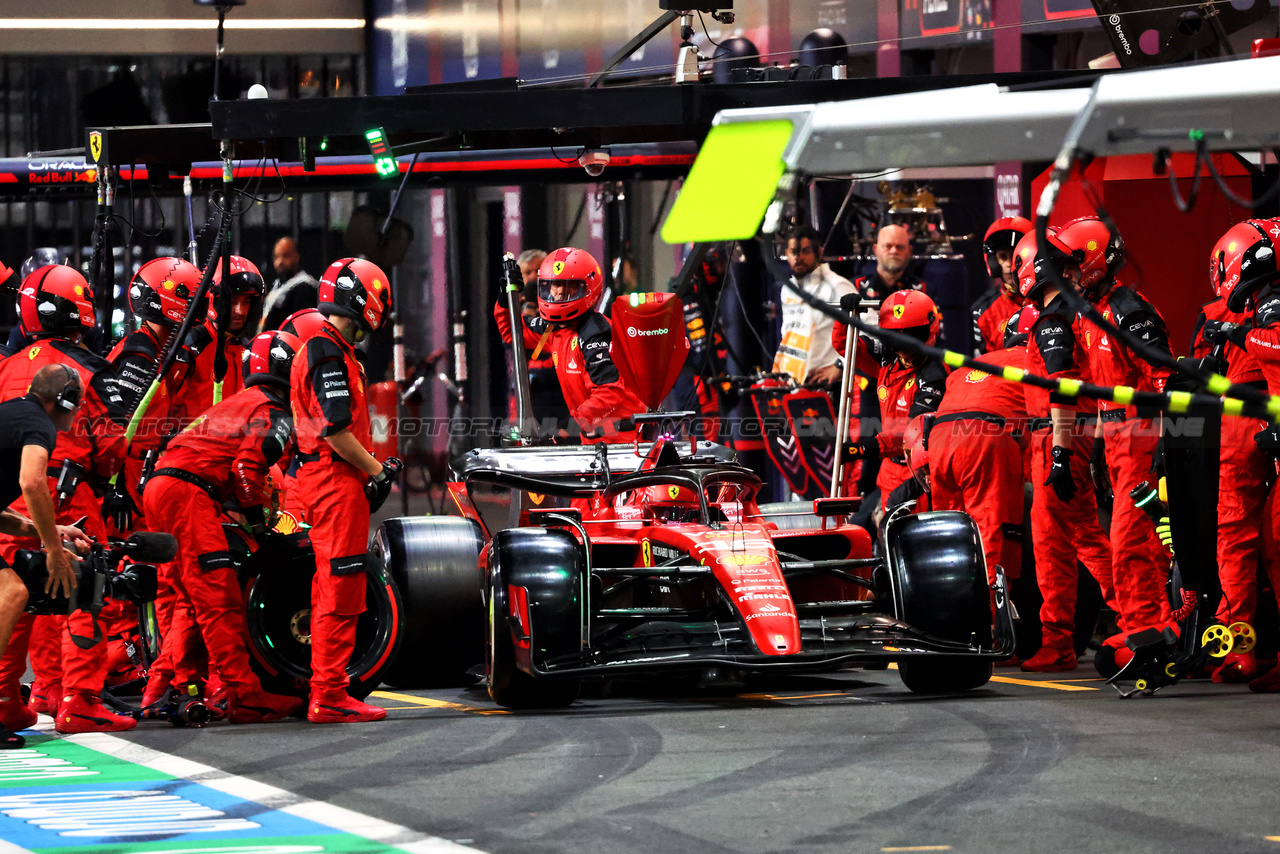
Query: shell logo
x,y
168,284
377,285
286,524
557,267
743,560
898,311
882,392
79,290
976,377
1231,247
1092,245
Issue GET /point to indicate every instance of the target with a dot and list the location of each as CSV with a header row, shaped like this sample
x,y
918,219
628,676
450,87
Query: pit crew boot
x,y
1050,660
14,713
84,712
259,707
11,740
157,690
45,697
336,707
1267,683
1237,667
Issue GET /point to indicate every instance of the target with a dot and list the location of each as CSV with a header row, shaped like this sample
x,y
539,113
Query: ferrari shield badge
x,y
95,145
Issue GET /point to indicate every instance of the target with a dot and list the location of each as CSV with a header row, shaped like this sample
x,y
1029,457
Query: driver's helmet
x,y
670,502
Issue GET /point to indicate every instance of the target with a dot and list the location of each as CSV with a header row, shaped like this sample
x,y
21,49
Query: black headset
x,y
69,398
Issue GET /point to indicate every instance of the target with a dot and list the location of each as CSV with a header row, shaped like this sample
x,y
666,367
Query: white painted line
x,y
320,812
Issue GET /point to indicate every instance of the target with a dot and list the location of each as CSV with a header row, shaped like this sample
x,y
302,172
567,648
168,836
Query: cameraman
x,y
29,428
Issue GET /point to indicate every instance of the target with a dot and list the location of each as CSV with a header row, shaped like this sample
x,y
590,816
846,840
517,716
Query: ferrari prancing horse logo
x,y
95,145
557,267
898,311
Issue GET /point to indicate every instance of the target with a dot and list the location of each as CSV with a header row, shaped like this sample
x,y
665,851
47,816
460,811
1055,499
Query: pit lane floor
x,y
842,762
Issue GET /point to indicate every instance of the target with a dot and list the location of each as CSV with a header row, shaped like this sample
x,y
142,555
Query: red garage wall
x,y
1168,250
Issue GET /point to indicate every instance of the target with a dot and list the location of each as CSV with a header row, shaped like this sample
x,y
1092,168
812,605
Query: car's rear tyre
x,y
277,597
938,585
547,564
434,562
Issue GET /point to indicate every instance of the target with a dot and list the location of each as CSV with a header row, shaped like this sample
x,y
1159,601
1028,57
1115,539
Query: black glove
x,y
118,506
1060,474
1269,440
1221,332
850,303
256,518
875,346
378,487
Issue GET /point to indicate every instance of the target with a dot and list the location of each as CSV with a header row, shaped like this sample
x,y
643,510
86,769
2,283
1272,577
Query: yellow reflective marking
x,y
1123,394
730,184
1070,388
1231,406
427,702
1057,686
1217,384
953,358
791,696
1179,401
1013,375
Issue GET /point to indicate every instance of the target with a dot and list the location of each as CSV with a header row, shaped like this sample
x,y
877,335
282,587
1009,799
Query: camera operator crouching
x,y
29,428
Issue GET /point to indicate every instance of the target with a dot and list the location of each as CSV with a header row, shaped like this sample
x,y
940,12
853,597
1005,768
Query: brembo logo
x,y
632,332
1114,21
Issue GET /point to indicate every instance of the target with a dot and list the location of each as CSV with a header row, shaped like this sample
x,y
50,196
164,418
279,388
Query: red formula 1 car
x,y
624,559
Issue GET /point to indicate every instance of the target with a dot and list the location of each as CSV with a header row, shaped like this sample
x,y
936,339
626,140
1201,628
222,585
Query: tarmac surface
x,y
849,761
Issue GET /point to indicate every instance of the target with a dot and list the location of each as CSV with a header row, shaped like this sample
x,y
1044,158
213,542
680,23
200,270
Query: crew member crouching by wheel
x,y
56,306
340,481
579,337
225,454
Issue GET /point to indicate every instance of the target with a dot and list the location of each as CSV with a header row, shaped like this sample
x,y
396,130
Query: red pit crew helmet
x,y
577,277
1004,233
245,281
1243,261
1097,249
304,323
1032,272
1020,323
268,358
161,290
912,313
55,300
358,289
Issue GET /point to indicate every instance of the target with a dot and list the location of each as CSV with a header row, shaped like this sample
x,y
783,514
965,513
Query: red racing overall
x,y
96,441
224,454
1242,481
593,389
975,456
991,312
1139,565
196,394
1063,531
328,395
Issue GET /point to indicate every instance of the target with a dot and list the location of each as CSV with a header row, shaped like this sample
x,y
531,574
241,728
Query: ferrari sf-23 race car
x,y
602,560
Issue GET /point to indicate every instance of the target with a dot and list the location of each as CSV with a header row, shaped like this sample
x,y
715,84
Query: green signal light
x,y
383,160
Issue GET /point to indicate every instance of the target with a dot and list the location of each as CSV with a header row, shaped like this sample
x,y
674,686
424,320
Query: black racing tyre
x,y
520,557
791,515
938,585
944,675
435,564
277,597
